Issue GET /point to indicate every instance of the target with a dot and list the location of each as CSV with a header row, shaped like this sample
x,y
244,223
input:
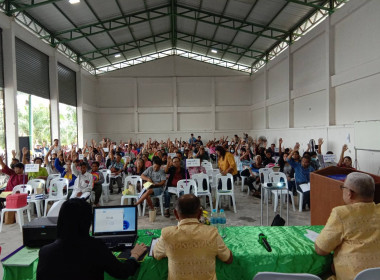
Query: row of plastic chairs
x,y
194,185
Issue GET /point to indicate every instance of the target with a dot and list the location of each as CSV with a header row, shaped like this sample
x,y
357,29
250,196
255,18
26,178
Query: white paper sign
x,y
276,150
105,150
172,155
80,156
305,187
329,158
193,162
32,168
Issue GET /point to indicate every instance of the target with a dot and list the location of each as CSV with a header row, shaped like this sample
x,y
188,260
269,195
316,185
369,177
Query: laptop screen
x,y
114,220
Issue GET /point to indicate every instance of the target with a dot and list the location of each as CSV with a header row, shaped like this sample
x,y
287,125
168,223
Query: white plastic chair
x,y
264,180
300,195
369,274
56,189
199,178
49,178
285,276
243,178
133,180
37,183
105,186
186,187
161,199
19,211
276,178
225,191
206,164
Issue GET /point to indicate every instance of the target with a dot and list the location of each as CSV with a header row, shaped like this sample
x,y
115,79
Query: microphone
x,y
263,241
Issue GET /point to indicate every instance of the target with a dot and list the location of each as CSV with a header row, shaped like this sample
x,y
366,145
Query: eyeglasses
x,y
343,187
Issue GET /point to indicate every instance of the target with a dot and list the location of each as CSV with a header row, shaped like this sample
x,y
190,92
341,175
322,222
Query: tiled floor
x,y
248,214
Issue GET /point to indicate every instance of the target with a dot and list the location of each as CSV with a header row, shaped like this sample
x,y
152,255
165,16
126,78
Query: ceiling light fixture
x,y
214,51
117,55
74,1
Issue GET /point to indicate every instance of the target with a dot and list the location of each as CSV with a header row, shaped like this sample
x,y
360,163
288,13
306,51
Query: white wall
x,y
172,97
324,83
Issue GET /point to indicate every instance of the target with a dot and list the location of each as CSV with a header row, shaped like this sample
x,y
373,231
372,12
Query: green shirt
x,y
41,173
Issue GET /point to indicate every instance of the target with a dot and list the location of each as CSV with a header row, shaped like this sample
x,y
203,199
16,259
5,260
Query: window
x,y
33,97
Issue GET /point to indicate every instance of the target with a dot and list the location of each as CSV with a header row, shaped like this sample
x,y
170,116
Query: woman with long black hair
x,y
76,255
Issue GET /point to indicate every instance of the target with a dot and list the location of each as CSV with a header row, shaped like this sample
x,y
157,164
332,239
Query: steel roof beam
x,y
311,3
129,28
54,43
196,22
173,22
150,25
229,48
232,23
237,32
111,24
217,27
21,6
270,22
98,19
111,50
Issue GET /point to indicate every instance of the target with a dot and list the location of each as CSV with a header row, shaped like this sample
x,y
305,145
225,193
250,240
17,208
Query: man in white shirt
x,y
83,183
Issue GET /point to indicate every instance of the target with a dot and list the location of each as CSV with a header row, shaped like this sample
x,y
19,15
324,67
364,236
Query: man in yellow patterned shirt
x,y
191,247
353,230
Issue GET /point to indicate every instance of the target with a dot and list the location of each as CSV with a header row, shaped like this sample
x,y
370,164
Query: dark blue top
x,y
63,172
302,175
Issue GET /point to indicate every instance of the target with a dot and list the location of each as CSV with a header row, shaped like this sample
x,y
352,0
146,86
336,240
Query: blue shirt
x,y
302,175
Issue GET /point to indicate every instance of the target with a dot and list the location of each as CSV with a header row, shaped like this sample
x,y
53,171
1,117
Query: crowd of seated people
x,y
239,156
163,164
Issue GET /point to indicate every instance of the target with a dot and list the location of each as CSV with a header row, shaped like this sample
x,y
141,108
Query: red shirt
x,y
177,176
14,179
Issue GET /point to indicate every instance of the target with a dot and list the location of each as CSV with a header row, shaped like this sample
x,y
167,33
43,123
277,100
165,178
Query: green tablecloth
x,y
291,252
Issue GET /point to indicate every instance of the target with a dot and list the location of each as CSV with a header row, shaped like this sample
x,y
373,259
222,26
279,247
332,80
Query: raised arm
x,y
344,149
296,148
320,142
24,152
279,147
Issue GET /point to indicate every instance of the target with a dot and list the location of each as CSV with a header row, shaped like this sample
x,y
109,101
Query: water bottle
x,y
222,223
214,218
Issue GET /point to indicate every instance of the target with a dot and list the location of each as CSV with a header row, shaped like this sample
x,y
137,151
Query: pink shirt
x,y
14,179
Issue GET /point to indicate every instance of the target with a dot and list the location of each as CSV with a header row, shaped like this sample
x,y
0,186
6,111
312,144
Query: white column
x,y
80,108
54,97
10,90
266,97
291,100
330,91
213,110
135,105
175,105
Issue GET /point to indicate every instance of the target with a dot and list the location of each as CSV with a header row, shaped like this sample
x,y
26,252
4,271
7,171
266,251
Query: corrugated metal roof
x,y
233,27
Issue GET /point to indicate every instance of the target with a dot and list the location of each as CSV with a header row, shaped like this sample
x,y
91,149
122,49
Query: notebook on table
x,y
115,225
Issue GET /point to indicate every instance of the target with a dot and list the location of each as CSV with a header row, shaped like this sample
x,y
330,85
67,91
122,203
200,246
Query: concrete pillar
x,y
291,100
330,70
175,104
54,97
10,90
266,97
213,108
80,108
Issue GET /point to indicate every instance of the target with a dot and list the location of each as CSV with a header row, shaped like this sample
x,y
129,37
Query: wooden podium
x,y
325,192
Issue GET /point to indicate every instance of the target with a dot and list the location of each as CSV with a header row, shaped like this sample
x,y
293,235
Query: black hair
x,y
74,219
312,154
329,153
83,164
157,160
287,150
118,154
19,165
188,205
95,162
347,157
221,150
38,158
307,157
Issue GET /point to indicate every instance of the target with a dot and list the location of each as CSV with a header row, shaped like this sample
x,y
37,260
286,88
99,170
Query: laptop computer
x,y
115,225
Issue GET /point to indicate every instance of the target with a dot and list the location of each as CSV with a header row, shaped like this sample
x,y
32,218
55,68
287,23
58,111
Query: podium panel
x,y
325,192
